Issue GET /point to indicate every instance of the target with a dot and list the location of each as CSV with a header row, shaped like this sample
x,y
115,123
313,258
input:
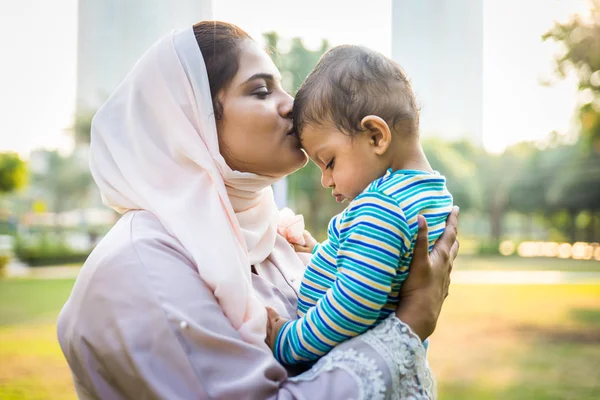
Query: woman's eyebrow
x,y
265,76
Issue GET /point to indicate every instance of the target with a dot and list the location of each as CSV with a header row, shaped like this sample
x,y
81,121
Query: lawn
x,y
519,342
32,300
32,366
492,342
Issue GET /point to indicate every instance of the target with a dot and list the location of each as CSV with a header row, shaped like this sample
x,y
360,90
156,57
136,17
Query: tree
x,y
13,172
456,161
479,181
575,187
295,64
496,174
83,127
559,182
580,38
65,182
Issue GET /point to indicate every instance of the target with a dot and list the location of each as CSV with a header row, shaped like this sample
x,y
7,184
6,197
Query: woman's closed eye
x,y
262,92
331,164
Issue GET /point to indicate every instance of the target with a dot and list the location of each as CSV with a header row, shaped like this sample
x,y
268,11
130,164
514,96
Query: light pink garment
x,y
154,147
141,323
291,226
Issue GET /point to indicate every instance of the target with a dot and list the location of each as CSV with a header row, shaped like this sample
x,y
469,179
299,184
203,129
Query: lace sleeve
x,y
387,362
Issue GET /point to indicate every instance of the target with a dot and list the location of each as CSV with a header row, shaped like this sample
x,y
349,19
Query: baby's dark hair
x,y
351,82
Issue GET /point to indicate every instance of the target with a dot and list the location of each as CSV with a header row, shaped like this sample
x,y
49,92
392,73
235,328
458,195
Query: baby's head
x,y
353,113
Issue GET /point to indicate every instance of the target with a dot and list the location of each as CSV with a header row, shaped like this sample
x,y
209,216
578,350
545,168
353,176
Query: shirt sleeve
x,y
320,270
373,235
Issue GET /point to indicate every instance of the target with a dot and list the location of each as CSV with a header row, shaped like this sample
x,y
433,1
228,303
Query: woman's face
x,y
255,133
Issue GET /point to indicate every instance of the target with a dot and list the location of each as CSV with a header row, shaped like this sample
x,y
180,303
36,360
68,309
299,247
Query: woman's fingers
x,y
454,252
421,250
444,247
451,231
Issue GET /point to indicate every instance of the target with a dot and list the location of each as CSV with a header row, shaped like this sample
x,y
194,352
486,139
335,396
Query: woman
x,y
171,303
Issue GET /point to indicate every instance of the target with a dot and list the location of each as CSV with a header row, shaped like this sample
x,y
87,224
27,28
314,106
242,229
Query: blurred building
x,y
38,161
113,34
439,43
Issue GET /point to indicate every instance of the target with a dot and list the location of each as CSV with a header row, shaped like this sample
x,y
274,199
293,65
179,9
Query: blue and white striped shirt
x,y
354,277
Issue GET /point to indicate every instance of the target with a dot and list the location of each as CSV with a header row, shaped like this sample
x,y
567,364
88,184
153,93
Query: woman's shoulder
x,y
129,301
145,227
137,267
139,236
135,255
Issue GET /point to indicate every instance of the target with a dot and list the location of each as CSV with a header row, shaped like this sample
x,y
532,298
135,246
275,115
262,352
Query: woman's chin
x,y
295,159
302,160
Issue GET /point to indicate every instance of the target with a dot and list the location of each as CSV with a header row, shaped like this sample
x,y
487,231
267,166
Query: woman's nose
x,y
286,107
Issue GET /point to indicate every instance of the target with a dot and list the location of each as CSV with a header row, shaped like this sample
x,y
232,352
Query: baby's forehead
x,y
316,138
312,134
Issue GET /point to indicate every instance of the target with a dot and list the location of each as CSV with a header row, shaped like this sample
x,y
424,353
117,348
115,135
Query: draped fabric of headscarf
x,y
154,147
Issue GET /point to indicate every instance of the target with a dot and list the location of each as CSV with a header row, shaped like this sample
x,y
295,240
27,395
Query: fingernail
x,y
457,209
421,220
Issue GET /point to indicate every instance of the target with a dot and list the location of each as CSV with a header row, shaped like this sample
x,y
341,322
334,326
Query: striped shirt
x,y
353,279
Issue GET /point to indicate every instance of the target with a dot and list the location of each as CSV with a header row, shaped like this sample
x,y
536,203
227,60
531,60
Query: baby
x,y
357,118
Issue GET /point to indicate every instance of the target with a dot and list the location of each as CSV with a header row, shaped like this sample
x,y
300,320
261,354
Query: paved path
x,y
525,277
18,270
471,277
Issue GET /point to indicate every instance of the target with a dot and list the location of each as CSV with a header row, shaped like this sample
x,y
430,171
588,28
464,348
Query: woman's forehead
x,y
254,61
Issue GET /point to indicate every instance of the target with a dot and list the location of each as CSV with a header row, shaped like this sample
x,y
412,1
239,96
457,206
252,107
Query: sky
x,y
39,42
515,61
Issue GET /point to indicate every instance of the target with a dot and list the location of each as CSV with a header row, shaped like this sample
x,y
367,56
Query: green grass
x,y
590,317
31,363
526,264
32,300
492,342
519,342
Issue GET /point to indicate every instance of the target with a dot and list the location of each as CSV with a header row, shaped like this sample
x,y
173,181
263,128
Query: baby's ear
x,y
378,131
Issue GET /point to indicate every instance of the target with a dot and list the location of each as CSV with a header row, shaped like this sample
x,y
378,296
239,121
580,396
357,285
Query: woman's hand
x,y
424,291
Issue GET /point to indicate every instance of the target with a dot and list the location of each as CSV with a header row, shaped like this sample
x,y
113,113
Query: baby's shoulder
x,y
373,203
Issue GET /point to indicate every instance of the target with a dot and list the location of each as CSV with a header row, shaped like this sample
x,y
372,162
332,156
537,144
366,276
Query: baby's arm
x,y
309,244
372,238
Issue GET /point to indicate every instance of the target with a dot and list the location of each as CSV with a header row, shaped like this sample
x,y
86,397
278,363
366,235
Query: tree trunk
x,y
496,214
316,207
572,226
590,231
527,227
314,213
596,225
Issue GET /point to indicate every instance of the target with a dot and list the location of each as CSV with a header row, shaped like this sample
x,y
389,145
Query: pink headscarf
x,y
154,147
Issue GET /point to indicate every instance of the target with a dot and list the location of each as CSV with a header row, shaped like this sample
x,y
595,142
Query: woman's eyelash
x,y
263,92
330,165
